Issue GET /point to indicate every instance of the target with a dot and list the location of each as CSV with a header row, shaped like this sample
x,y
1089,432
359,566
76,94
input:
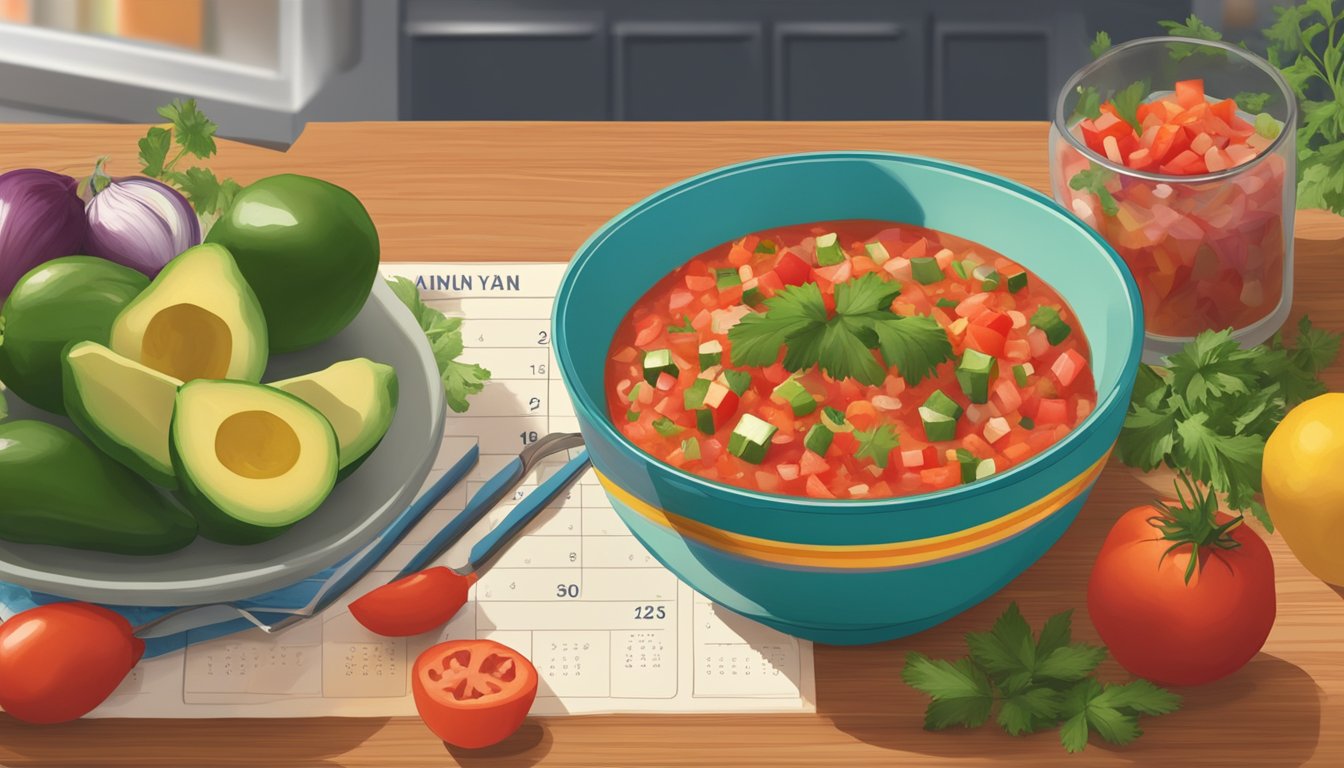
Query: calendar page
x,y
608,628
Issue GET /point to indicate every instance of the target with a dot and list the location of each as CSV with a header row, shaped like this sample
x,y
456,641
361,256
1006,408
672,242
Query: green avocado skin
x,y
74,298
308,249
60,490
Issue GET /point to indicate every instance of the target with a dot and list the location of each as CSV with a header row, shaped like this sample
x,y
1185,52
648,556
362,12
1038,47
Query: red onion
x,y
141,223
41,218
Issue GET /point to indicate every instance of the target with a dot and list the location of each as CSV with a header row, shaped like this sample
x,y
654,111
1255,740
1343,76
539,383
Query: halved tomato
x,y
473,693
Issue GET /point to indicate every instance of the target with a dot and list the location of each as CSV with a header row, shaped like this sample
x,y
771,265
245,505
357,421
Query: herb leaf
x,y
961,693
685,326
1089,102
460,380
1100,44
192,130
795,319
154,151
1251,101
1127,102
876,443
1094,180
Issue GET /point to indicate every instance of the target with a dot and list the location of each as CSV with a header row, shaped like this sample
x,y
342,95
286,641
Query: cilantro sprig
x,y
876,443
1094,180
1209,410
795,319
1031,683
194,135
460,380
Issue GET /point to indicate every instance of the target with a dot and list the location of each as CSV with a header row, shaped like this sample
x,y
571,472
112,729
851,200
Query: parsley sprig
x,y
876,443
445,340
1094,180
194,135
1208,412
795,319
1032,683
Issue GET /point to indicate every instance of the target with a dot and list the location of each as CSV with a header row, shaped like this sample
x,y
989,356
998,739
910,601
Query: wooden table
x,y
534,192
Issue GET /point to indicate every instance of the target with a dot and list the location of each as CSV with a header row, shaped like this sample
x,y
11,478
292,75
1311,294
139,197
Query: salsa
x,y
848,360
1205,254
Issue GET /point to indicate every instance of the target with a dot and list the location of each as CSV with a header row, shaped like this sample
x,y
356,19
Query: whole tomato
x,y
473,693
1182,594
59,661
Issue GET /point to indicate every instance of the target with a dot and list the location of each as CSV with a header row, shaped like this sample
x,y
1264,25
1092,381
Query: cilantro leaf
x,y
1140,696
916,345
1100,44
1030,710
1191,27
1073,732
1127,101
192,130
202,188
842,354
1056,633
1094,180
685,326
460,380
876,443
154,151
1210,366
1070,662
1148,437
1252,102
865,294
1230,464
1089,102
1006,649
961,693
757,338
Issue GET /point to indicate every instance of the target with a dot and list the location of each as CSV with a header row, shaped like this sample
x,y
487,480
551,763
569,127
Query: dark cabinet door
x,y
752,59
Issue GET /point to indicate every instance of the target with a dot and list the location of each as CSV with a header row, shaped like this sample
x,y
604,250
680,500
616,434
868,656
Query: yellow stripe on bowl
x,y
863,556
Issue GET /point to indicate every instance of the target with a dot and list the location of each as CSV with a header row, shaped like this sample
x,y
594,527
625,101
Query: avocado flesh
x,y
251,460
59,490
358,397
199,319
123,407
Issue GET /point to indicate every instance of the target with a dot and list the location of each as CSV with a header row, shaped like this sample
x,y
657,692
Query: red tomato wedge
x,y
414,604
60,661
473,693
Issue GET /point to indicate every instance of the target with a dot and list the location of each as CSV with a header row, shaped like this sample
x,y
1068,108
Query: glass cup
x,y
1209,251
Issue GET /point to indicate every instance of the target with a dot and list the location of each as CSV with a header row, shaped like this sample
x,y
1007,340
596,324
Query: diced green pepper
x,y
632,415
943,404
878,253
666,427
738,381
1027,422
792,391
829,251
1020,373
690,448
968,462
658,361
946,303
752,296
834,420
818,439
925,270
633,396
727,278
976,373
711,354
1048,320
694,396
1017,281
766,246
704,421
959,267
751,438
937,426
988,277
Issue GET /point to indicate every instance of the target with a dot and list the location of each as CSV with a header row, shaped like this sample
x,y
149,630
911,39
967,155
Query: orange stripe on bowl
x,y
864,556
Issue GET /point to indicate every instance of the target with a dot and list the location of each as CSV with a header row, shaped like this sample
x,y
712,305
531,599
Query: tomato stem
x,y
1193,522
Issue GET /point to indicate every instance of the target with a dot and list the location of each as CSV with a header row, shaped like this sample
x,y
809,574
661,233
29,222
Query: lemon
x,y
1304,484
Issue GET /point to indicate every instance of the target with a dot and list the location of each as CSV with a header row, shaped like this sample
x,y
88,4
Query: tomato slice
x,y
414,604
60,661
473,693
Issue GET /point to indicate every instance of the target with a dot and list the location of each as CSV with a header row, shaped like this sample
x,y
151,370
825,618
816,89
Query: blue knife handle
x,y
397,531
526,511
477,507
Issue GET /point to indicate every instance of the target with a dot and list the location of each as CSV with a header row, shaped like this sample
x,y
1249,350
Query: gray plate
x,y
352,516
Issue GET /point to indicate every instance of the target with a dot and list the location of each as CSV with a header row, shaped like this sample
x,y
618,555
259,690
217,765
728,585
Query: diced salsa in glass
x,y
1206,254
873,360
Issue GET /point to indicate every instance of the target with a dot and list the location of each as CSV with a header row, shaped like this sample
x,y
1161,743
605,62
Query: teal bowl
x,y
847,572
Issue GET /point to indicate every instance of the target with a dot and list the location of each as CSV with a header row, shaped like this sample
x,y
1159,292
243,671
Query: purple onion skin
x,y
141,223
41,218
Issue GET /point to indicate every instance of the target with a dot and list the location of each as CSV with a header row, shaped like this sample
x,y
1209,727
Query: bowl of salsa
x,y
848,395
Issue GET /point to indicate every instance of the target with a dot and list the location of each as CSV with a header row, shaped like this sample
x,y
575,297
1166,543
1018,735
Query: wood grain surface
x,y
534,191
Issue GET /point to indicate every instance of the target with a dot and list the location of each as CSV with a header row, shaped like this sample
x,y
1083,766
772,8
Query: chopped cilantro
x,y
460,380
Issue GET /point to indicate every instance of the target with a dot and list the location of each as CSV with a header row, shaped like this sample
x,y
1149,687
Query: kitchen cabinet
x,y
752,59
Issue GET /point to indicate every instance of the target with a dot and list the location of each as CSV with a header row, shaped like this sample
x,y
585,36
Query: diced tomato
x,y
984,339
699,283
768,481
817,489
1016,452
743,250
977,445
1052,411
1190,93
836,273
937,478
812,464
1006,396
1017,349
995,321
792,270
862,414
725,410
769,283
1067,367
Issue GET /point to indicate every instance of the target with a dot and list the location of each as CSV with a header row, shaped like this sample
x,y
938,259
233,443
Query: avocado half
x,y
198,319
123,407
358,397
251,460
